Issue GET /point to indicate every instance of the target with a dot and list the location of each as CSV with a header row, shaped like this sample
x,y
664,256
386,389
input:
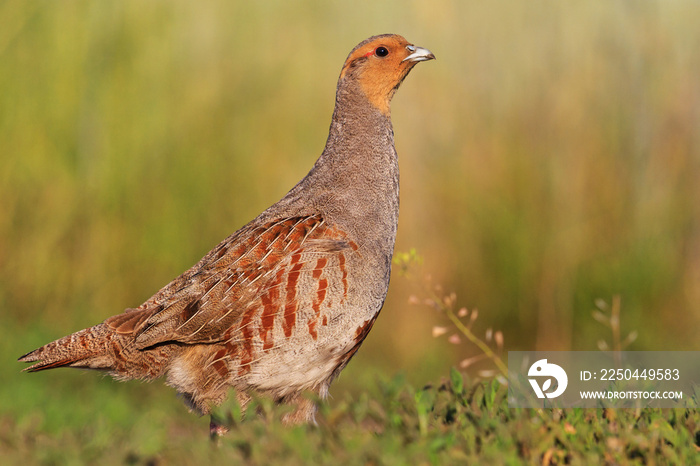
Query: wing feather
x,y
205,302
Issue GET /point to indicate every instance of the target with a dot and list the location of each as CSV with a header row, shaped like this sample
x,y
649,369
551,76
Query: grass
x,y
549,157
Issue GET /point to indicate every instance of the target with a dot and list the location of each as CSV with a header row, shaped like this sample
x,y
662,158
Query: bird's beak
x,y
418,54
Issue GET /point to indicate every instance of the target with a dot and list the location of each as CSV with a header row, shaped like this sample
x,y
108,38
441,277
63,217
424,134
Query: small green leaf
x,y
457,381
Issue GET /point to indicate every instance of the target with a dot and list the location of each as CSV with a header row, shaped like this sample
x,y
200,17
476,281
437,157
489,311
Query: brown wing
x,y
202,304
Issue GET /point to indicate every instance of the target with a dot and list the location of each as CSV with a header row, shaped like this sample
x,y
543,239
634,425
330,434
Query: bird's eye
x,y
381,52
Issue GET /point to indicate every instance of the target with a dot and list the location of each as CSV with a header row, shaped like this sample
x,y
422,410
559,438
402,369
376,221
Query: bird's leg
x,y
219,424
222,419
304,411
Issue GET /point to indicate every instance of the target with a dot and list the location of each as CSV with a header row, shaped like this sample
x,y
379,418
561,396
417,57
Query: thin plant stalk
x,y
466,331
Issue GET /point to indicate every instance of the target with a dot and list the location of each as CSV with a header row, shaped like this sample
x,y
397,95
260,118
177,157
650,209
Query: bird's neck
x,y
355,181
361,137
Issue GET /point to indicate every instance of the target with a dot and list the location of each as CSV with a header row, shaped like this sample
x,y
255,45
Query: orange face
x,y
380,64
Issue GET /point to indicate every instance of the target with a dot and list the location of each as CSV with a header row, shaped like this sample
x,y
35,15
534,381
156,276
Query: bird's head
x,y
380,64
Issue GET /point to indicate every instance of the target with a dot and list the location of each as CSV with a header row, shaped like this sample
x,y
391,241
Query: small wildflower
x,y
464,363
498,338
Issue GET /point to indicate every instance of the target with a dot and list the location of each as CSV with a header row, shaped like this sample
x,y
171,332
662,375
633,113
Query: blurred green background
x,y
550,156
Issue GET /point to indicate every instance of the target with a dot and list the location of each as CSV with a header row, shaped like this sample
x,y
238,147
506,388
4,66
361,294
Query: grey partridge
x,y
279,307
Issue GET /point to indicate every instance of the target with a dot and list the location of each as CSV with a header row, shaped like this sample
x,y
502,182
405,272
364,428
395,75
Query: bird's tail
x,y
88,349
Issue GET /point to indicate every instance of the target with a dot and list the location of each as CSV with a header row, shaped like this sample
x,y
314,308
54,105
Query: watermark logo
x,y
542,368
594,379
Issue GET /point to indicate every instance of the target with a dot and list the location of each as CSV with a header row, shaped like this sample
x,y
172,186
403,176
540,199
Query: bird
x,y
280,307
